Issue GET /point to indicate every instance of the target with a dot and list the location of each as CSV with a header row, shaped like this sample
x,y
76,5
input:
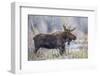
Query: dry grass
x,y
54,54
78,54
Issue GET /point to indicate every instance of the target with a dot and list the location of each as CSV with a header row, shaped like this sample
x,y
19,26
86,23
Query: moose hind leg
x,y
35,51
36,47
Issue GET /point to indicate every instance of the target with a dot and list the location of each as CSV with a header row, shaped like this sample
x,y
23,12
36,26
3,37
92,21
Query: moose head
x,y
67,33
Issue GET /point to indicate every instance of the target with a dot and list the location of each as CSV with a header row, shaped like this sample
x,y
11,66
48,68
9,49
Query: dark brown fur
x,y
55,40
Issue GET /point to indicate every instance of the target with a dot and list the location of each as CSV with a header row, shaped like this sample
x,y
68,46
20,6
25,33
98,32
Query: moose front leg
x,y
62,49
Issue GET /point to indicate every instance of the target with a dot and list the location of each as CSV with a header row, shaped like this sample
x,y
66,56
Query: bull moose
x,y
54,40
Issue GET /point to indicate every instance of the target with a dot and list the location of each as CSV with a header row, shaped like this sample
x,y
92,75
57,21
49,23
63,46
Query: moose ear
x,y
72,29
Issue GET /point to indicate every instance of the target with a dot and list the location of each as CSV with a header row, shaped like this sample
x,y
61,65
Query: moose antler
x,y
69,28
73,29
64,27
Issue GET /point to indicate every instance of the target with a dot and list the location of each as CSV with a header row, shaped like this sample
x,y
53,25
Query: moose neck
x,y
64,36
